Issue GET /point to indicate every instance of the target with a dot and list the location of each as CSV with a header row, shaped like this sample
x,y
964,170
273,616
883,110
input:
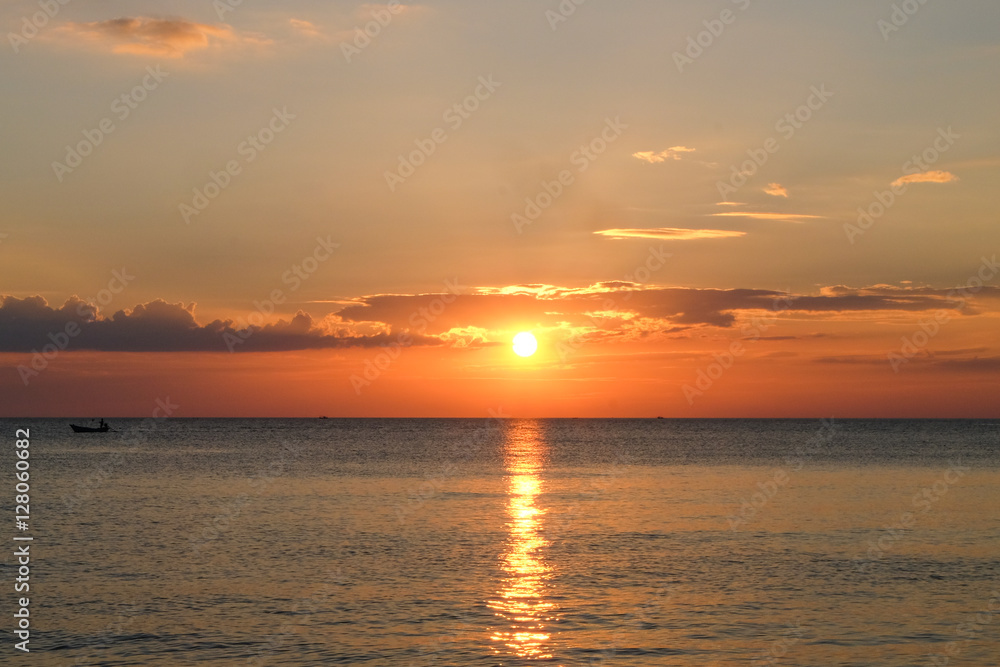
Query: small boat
x,y
102,428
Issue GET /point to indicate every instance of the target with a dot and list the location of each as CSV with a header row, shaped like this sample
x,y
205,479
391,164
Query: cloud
x,y
672,153
30,324
730,203
306,28
926,177
161,38
368,9
852,359
791,217
348,23
776,190
669,234
977,365
613,310
925,361
500,308
467,337
954,296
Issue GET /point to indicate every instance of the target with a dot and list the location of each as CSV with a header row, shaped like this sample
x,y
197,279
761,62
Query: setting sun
x,y
525,344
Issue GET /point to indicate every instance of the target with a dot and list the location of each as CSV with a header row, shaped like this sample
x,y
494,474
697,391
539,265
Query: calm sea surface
x,y
514,542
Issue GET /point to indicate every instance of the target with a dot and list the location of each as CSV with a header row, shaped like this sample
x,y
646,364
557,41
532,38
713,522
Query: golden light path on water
x,y
523,599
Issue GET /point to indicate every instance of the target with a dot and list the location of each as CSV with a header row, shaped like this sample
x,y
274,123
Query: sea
x,y
505,542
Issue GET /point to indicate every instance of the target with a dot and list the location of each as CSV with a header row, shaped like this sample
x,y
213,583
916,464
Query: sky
x,y
736,208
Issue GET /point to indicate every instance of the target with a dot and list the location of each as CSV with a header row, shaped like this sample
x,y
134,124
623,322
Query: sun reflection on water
x,y
523,601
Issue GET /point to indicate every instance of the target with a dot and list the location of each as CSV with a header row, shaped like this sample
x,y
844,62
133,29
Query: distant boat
x,y
102,428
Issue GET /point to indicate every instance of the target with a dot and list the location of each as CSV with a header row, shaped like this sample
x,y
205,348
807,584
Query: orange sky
x,y
624,362
262,210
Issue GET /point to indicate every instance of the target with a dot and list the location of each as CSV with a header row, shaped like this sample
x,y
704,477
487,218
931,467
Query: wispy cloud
x,y
669,234
792,217
926,361
672,153
306,28
776,190
162,38
368,9
731,203
926,177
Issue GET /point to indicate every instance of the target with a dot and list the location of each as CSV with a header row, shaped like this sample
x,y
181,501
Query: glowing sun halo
x,y
525,344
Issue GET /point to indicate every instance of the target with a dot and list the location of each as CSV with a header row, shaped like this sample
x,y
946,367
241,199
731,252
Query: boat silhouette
x,y
102,428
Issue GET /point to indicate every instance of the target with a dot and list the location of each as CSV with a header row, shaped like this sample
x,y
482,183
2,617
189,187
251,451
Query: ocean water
x,y
510,542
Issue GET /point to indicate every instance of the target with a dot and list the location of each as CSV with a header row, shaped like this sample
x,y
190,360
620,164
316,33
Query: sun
x,y
525,344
